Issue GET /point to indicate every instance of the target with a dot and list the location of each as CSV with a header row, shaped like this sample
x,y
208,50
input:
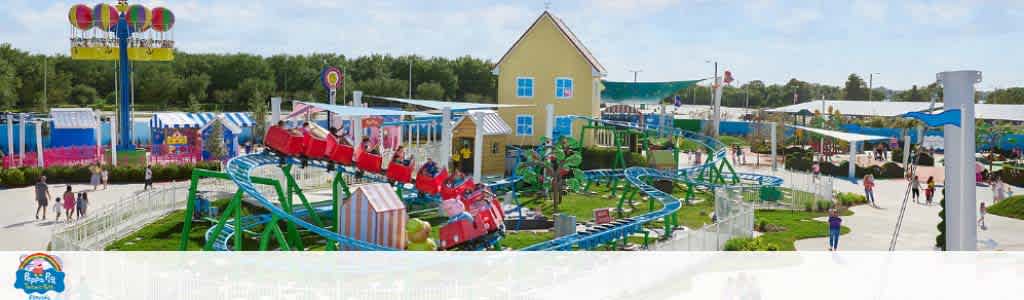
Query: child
x,y
915,188
981,220
834,227
57,207
930,190
82,204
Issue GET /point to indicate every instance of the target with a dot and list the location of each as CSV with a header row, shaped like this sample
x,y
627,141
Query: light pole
x,y
871,79
635,74
410,77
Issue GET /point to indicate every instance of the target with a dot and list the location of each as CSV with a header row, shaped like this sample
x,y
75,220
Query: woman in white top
x,y
105,176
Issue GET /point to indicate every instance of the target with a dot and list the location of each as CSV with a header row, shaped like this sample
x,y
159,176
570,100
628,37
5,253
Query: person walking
x,y
42,196
94,179
105,177
815,170
834,223
82,204
981,211
929,192
915,188
869,188
998,190
149,178
57,208
69,203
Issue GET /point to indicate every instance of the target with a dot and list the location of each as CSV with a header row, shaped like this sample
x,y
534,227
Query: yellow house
x,y
548,65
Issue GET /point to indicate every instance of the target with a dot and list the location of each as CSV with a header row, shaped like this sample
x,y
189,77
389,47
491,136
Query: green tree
x,y
255,93
83,95
855,88
429,90
9,85
1007,96
383,87
215,143
193,89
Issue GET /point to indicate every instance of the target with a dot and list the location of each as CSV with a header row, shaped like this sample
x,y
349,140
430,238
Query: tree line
x,y
243,82
227,82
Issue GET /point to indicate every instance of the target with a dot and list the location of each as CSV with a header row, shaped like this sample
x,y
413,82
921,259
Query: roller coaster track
x,y
240,168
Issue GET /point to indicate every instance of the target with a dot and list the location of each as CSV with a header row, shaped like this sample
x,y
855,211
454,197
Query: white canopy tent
x,y
852,138
1008,112
454,106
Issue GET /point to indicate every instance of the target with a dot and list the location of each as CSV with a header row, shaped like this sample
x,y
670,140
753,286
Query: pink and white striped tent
x,y
374,214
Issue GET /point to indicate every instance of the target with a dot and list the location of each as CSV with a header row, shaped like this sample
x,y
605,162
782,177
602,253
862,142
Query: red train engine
x,y
486,226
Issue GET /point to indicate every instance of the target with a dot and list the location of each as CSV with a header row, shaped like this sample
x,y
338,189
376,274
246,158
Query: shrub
x,y
593,158
891,170
749,244
925,159
1012,176
808,206
851,199
31,174
823,205
14,178
164,172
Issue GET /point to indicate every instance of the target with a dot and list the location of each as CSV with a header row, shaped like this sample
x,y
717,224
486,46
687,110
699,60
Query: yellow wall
x,y
545,54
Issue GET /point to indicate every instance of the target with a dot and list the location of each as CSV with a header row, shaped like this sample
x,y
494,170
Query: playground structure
x,y
123,33
479,224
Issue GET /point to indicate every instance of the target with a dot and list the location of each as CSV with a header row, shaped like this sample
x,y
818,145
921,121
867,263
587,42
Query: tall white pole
x,y
113,140
21,145
275,110
549,122
774,127
716,107
961,229
39,144
10,135
478,145
357,123
98,130
446,136
853,161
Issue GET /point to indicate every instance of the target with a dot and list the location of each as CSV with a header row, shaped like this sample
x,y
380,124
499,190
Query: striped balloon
x,y
104,16
139,17
163,19
80,16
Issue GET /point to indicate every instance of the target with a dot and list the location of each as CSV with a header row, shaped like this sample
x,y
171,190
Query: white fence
x,y
798,192
108,223
734,218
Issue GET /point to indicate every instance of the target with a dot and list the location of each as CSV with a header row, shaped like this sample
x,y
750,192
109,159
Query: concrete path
x,y
21,231
872,228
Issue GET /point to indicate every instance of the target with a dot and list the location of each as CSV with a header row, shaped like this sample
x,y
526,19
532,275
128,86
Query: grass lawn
x,y
1012,207
729,140
518,240
797,225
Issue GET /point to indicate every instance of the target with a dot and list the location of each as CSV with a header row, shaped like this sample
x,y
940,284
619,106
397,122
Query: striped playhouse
x,y
374,214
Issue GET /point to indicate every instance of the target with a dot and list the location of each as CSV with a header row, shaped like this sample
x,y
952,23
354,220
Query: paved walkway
x,y
872,228
21,231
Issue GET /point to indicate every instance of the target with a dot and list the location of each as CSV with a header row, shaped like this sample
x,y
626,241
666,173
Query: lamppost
x,y
871,78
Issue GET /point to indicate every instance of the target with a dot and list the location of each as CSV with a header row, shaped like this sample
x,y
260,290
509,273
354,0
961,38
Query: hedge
x,y
749,244
1012,175
597,158
802,161
19,177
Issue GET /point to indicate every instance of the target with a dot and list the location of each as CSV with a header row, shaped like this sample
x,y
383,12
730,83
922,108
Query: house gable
x,y
598,70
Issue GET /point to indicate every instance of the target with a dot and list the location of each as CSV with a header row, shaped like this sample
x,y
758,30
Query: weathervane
x,y
547,5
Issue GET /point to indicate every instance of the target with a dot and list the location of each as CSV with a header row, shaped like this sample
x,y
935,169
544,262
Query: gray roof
x,y
846,136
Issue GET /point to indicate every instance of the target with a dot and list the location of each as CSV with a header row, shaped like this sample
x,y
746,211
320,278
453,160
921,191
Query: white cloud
x,y
634,6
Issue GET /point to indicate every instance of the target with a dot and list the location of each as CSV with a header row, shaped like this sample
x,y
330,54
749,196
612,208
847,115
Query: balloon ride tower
x,y
124,34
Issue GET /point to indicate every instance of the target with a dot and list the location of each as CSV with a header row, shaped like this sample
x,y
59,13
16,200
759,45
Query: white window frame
x,y
572,87
533,87
531,125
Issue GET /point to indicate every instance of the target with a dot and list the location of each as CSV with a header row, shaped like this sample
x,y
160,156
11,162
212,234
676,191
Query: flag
x,y
728,77
678,101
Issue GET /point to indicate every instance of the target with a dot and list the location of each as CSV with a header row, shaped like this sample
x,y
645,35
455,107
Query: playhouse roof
x,y
567,33
455,106
488,120
73,118
173,120
240,119
381,196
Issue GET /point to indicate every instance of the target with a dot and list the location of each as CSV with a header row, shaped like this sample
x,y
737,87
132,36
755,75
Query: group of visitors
x,y
99,176
737,155
881,152
915,189
71,204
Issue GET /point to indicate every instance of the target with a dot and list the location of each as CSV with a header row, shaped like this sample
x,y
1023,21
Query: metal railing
x,y
734,218
799,191
108,223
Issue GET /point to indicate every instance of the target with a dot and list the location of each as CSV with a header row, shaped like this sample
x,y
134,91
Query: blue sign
x,y
39,273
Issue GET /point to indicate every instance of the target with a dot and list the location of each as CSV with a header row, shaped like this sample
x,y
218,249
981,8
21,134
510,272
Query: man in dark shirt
x,y
42,196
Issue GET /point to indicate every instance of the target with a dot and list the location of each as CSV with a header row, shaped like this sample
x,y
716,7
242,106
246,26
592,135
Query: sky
x,y
905,42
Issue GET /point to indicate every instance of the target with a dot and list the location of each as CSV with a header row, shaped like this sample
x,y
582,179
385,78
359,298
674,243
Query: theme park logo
x,y
39,273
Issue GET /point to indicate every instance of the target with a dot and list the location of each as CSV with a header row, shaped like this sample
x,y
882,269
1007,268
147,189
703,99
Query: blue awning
x,y
173,120
241,119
